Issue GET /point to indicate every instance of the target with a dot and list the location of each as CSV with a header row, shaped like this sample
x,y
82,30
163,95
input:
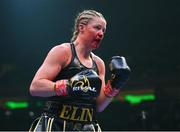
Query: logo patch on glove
x,y
82,85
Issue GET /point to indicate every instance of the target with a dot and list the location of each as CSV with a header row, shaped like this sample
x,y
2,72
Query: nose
x,y
100,34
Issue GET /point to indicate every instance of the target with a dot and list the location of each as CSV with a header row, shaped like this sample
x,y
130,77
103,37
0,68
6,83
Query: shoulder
x,y
60,53
100,63
59,50
64,47
97,59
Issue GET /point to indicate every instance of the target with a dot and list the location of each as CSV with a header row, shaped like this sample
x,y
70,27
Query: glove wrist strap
x,y
60,88
110,92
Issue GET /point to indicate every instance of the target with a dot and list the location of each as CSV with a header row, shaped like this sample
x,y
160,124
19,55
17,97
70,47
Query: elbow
x,y
100,109
32,90
32,93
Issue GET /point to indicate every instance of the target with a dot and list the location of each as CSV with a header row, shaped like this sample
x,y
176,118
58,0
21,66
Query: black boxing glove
x,y
120,72
84,84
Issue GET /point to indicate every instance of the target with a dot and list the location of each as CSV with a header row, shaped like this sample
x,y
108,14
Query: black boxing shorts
x,y
66,117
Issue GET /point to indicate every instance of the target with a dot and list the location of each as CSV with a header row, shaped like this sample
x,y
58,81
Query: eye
x,y
99,27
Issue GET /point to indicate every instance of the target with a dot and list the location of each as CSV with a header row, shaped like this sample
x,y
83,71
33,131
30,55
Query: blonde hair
x,y
83,18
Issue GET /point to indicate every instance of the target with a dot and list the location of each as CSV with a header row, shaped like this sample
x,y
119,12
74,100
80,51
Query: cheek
x,y
91,35
92,32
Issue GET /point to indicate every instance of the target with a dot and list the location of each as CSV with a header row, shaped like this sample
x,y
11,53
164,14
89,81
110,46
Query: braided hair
x,y
83,18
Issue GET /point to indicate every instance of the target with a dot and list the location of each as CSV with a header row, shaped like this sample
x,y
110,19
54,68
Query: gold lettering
x,y
89,114
86,114
73,116
76,114
82,114
65,112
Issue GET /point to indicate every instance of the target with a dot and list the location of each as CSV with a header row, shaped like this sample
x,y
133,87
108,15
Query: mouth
x,y
98,40
97,43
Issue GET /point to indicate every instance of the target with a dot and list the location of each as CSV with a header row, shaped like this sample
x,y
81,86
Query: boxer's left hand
x,y
120,73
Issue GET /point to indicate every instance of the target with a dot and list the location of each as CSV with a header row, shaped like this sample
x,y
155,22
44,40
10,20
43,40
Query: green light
x,y
136,99
16,105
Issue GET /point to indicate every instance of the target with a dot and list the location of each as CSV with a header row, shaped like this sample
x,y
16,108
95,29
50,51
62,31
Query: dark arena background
x,y
147,33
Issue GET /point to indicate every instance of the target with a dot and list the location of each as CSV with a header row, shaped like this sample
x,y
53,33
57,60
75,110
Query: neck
x,y
82,48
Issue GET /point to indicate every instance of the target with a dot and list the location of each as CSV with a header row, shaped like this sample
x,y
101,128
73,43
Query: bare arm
x,y
42,84
102,100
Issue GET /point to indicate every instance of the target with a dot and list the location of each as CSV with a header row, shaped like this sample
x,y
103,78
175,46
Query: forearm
x,y
106,96
42,88
102,102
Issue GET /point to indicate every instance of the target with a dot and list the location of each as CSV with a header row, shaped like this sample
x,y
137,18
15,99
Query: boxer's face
x,y
94,31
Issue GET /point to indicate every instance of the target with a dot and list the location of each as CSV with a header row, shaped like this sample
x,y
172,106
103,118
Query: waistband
x,y
72,112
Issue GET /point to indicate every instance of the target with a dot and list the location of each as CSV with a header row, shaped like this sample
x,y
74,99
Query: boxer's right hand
x,y
84,84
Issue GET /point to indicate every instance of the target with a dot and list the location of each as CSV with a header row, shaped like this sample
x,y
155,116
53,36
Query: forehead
x,y
98,20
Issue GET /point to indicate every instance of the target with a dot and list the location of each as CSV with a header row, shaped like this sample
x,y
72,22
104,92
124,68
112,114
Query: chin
x,y
95,45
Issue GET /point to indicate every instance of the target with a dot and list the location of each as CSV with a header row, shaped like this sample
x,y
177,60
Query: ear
x,y
81,27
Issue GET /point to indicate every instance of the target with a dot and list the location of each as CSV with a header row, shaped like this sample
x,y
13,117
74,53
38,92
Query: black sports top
x,y
72,69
